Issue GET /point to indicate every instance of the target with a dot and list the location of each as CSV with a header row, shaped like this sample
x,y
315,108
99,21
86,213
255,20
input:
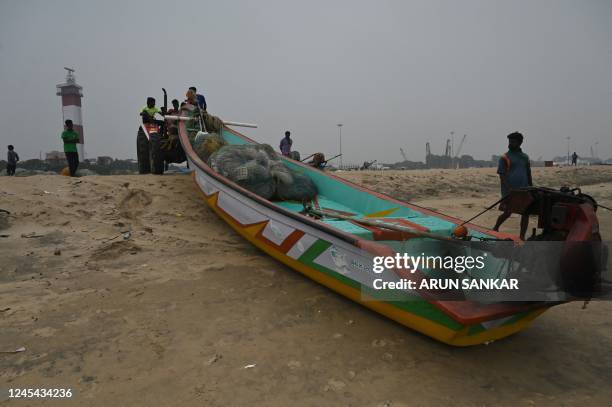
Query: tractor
x,y
157,144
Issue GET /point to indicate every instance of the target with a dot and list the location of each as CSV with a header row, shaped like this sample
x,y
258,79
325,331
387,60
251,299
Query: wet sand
x,y
131,291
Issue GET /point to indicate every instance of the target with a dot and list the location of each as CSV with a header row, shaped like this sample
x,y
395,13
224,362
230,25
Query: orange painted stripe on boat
x,y
381,214
287,244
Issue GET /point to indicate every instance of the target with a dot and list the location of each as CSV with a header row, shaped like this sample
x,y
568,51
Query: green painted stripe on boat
x,y
314,251
516,317
476,329
418,307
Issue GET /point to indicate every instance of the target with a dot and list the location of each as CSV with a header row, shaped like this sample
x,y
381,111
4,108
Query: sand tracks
x,y
134,203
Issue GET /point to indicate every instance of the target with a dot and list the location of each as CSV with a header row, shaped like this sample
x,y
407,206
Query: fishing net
x,y
281,173
213,123
301,188
246,165
259,169
207,144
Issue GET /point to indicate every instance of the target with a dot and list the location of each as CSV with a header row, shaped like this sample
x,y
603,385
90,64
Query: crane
x,y
455,159
460,146
447,150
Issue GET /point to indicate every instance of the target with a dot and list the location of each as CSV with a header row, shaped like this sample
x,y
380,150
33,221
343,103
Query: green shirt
x,y
150,110
70,138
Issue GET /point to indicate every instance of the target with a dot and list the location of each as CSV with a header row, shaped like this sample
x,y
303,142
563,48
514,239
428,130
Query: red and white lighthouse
x,y
71,94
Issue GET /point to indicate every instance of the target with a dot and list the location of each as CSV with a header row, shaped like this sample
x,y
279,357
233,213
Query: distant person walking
x,y
514,172
11,161
574,159
285,144
70,139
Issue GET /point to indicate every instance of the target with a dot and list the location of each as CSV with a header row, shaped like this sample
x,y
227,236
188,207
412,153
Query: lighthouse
x,y
71,94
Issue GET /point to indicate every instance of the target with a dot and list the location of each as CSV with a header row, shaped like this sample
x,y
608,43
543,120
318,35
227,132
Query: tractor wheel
x,y
142,152
157,155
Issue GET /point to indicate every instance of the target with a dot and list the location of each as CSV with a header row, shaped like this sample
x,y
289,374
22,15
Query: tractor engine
x,y
569,217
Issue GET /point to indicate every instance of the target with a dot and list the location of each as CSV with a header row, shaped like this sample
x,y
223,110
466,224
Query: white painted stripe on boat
x,y
239,210
277,232
207,186
300,247
334,258
73,113
495,322
353,266
234,204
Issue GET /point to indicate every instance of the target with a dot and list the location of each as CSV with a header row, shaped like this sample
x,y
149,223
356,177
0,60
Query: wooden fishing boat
x,y
338,252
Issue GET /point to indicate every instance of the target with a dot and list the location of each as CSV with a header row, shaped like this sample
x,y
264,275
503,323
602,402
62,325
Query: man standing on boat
x,y
200,99
285,144
514,172
175,107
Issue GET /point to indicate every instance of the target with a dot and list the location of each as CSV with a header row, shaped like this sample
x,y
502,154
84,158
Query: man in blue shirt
x,y
285,144
514,172
200,98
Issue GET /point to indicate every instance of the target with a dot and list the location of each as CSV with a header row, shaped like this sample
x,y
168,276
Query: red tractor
x,y
157,144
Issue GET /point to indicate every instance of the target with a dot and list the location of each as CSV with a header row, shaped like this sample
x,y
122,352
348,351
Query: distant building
x,y
54,156
105,160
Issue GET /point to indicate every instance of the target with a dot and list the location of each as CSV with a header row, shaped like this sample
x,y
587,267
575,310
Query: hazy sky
x,y
395,73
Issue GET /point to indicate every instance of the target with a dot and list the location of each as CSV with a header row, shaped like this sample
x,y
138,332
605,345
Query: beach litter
x,y
30,235
18,350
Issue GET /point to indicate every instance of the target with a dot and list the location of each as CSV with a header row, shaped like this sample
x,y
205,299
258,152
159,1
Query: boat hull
x,y
336,264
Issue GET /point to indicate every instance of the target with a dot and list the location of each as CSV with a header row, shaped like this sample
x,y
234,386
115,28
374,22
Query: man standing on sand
x,y
11,161
514,172
70,139
574,159
285,144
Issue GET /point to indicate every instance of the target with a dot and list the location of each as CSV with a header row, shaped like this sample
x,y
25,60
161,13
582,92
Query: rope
x,y
488,208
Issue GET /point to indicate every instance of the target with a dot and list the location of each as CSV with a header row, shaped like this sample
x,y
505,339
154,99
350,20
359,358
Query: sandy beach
x,y
131,291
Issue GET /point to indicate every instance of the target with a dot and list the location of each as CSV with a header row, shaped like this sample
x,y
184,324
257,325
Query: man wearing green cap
x,y
514,172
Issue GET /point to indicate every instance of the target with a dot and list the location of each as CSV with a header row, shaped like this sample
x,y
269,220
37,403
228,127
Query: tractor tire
x,y
157,155
142,152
